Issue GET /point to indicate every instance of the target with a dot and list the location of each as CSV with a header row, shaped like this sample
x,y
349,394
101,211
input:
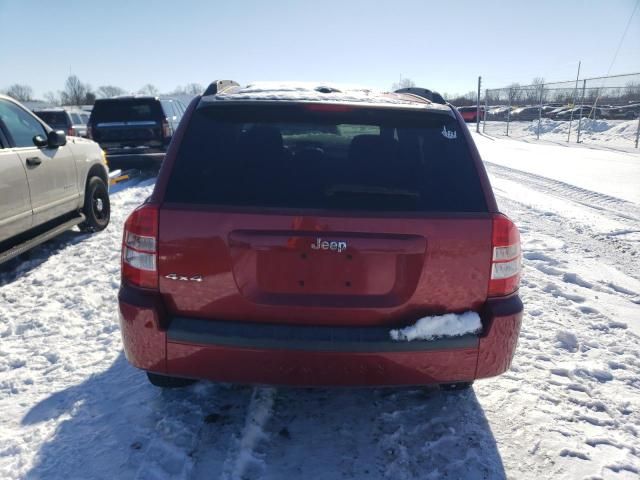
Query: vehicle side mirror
x,y
40,141
57,138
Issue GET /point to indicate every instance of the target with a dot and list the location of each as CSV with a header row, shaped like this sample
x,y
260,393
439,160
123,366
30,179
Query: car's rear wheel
x,y
165,381
97,208
452,387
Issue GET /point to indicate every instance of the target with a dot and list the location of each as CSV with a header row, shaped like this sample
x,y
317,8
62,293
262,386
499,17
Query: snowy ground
x,y
72,408
610,134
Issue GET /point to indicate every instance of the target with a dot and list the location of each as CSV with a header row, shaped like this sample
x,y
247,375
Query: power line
x,y
624,34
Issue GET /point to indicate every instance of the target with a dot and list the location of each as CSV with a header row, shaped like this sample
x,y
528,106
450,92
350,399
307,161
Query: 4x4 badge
x,y
184,278
450,134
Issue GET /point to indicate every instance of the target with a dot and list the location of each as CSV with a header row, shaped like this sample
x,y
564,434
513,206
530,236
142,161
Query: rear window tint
x,y
364,159
126,111
54,119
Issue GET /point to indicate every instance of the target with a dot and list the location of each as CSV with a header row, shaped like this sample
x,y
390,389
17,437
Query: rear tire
x,y
455,387
97,208
164,381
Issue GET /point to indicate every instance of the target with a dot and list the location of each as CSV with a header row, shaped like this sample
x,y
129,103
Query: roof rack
x,y
434,97
218,86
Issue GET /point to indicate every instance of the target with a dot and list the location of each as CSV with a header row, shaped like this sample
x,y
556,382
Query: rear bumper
x,y
134,159
310,356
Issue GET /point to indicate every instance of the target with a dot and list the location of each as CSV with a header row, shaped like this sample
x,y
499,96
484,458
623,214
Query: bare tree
x,y
76,93
53,98
188,89
458,100
149,89
193,89
108,91
533,91
22,93
90,98
631,92
515,93
403,83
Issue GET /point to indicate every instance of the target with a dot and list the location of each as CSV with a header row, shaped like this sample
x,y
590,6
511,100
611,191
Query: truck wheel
x,y
97,208
453,387
164,381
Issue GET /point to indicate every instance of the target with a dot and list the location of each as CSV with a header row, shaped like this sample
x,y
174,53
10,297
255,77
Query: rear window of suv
x,y
54,119
356,159
135,110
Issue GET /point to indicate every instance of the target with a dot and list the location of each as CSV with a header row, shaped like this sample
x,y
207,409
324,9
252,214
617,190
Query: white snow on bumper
x,y
449,325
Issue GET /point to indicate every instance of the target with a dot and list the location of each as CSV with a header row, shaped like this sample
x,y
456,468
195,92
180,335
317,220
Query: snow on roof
x,y
319,92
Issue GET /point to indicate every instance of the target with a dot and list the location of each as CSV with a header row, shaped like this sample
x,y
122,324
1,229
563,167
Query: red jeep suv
x,y
292,228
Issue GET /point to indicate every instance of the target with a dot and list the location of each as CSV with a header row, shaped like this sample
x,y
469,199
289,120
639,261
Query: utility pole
x,y
540,110
478,106
584,89
573,105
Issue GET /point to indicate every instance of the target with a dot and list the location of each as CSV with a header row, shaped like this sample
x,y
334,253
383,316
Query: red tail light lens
x,y
89,131
71,131
505,261
140,247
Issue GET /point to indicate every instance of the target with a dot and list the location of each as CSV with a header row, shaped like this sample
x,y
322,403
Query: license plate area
x,y
353,269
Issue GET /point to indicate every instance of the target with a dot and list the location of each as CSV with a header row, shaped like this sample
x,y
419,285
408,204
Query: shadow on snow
x,y
116,425
30,260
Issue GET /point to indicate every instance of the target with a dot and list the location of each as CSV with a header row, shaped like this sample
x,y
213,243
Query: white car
x,y
48,182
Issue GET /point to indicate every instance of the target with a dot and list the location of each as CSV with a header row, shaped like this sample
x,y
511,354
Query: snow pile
x,y
449,325
588,125
618,133
591,125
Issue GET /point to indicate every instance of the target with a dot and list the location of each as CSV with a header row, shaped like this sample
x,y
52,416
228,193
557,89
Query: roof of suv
x,y
50,109
137,97
321,93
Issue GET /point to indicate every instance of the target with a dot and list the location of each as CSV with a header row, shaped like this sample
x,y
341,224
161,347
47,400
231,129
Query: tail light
x,y
166,129
71,132
89,131
505,261
140,247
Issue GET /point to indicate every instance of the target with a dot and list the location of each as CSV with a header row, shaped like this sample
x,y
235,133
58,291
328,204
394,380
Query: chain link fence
x,y
601,110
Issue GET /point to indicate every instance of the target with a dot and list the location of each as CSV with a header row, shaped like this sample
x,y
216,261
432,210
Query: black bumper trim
x,y
301,337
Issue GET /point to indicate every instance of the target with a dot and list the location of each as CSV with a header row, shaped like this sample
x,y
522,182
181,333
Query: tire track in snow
x,y
598,201
243,459
579,238
325,434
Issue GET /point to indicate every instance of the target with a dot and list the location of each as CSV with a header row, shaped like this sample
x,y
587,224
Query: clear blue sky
x,y
443,45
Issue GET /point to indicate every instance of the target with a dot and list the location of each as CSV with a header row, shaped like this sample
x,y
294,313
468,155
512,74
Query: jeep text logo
x,y
326,245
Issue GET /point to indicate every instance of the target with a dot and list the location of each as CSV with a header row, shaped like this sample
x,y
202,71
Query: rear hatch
x,y
131,124
334,216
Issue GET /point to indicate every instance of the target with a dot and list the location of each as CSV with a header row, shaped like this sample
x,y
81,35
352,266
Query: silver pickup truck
x,y
48,182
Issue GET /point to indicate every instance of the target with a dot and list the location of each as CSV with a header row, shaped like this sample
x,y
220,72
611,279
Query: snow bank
x,y
612,133
587,125
449,325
